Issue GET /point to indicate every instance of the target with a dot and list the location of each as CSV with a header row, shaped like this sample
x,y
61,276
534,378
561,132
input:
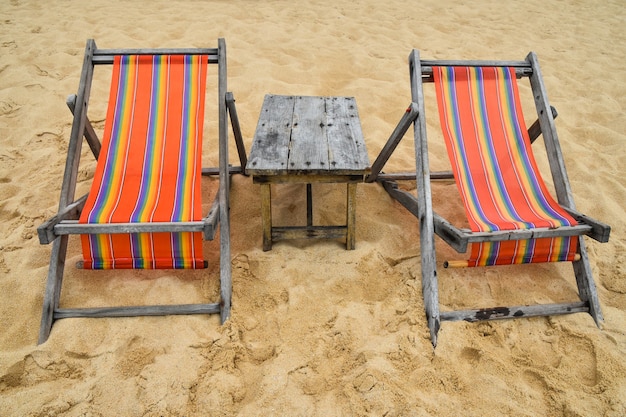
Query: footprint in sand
x,y
537,387
579,355
8,107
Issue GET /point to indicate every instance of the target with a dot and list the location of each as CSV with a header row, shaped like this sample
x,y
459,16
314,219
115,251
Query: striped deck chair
x,y
513,218
144,208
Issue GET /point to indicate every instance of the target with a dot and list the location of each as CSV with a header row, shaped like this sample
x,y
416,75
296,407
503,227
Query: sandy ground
x,y
315,330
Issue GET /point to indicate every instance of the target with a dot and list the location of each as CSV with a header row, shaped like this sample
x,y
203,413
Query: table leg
x,y
309,205
351,216
266,216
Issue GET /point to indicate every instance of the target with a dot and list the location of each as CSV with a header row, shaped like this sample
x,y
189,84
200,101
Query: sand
x,y
315,330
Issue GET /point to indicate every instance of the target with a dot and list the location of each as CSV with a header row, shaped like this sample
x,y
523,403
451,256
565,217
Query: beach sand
x,y
315,330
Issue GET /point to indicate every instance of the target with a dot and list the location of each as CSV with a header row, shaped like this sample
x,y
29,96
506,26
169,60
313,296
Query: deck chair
x,y
513,218
144,206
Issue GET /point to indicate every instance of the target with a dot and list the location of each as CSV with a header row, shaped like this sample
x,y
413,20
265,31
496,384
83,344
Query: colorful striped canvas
x,y
149,168
493,165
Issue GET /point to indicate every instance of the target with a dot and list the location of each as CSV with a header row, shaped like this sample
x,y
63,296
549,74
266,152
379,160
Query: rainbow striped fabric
x,y
494,168
149,168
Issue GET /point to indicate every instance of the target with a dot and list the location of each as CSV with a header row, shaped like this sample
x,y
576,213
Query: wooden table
x,y
308,140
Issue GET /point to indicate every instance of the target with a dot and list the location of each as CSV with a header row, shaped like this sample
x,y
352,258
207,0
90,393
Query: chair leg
x,y
430,287
586,285
53,286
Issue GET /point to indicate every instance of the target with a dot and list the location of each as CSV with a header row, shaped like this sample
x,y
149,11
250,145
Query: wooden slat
x,y
308,232
136,311
224,189
266,215
424,197
599,231
52,293
72,212
90,134
313,178
351,216
308,150
426,63
73,227
534,131
234,123
501,313
70,175
270,149
54,280
410,176
106,56
216,170
212,220
157,51
392,143
525,234
346,147
582,268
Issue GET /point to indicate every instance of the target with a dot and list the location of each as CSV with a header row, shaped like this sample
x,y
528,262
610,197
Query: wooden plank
x,y
90,134
582,268
72,212
586,285
72,227
106,56
424,198
68,189
550,136
308,148
525,234
410,176
427,63
157,51
234,122
308,232
266,216
408,200
70,175
309,205
534,131
599,231
392,143
311,179
52,293
211,220
346,146
270,147
136,311
216,170
522,68
501,313
451,234
351,216
224,190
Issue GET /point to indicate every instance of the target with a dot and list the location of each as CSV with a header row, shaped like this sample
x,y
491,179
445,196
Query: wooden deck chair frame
x,y
430,223
57,229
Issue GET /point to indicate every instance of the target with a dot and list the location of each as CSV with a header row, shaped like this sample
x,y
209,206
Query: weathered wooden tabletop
x,y
303,135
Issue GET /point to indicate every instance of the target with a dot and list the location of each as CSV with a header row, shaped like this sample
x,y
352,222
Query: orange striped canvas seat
x,y
494,168
149,168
